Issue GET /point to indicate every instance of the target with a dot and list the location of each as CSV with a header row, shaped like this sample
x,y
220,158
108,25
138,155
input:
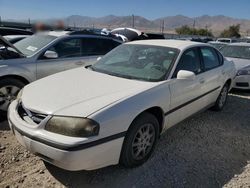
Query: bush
x,y
186,30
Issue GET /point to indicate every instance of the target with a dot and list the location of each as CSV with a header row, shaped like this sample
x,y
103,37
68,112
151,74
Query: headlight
x,y
19,95
73,126
243,72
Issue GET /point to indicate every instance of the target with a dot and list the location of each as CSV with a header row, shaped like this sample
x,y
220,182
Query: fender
x,y
9,70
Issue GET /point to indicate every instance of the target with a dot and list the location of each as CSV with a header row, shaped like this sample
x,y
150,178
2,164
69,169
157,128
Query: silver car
x,y
239,53
44,54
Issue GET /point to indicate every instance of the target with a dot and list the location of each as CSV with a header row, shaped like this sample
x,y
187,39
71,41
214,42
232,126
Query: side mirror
x,y
50,54
185,75
99,58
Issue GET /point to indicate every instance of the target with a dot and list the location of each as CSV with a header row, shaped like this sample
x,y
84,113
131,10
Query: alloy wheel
x,y
143,141
7,95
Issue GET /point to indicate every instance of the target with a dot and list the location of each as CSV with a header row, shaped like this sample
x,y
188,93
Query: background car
x,y
13,31
226,40
44,54
15,38
239,53
122,104
218,45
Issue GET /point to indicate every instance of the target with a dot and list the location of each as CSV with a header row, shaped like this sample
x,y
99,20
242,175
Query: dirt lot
x,y
212,149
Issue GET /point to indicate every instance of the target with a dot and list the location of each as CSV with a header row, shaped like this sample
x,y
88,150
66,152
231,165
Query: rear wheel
x,y
9,89
222,98
140,140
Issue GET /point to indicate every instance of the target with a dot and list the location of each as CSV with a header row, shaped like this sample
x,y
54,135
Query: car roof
x,y
240,44
15,36
180,44
55,33
71,33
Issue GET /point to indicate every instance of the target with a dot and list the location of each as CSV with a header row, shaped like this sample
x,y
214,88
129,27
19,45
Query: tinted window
x,y
189,61
68,48
210,58
97,46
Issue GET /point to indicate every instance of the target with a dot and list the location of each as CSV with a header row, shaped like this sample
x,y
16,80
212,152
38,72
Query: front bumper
x,y
87,156
242,82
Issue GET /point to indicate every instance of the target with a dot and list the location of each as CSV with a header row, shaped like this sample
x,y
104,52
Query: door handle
x,y
202,80
80,63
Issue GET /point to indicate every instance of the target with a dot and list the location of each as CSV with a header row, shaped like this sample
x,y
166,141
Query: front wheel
x,y
140,140
222,98
9,89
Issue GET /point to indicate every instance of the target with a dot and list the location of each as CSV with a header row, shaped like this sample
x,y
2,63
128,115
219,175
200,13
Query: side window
x,y
210,58
68,48
221,58
97,46
189,61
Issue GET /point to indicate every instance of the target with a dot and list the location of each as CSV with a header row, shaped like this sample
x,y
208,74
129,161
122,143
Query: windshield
x,y
34,43
242,52
140,62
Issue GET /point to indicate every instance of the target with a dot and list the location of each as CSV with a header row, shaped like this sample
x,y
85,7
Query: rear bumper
x,y
71,158
242,82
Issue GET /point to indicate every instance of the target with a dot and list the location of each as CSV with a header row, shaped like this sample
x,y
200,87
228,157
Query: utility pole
x,y
194,27
133,21
162,27
29,21
0,21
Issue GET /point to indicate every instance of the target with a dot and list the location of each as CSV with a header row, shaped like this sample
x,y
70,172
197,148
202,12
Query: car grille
x,y
29,116
242,84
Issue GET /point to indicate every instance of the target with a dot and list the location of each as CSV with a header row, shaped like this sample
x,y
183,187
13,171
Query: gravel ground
x,y
209,150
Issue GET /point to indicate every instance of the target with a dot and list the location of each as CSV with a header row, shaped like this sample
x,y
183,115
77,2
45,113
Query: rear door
x,y
186,94
213,74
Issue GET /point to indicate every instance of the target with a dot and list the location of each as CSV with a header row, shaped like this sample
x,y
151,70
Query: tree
x,y
232,31
186,30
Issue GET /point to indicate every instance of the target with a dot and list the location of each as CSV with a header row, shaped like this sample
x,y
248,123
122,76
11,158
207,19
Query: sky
x,y
150,9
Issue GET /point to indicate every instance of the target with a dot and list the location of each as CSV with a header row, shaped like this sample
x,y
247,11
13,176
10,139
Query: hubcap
x,y
143,141
7,95
223,96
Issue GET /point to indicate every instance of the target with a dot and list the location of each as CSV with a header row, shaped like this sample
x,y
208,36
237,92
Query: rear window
x,y
242,52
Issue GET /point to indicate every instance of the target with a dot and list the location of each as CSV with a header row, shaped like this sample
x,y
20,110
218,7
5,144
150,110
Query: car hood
x,y
6,43
78,92
239,63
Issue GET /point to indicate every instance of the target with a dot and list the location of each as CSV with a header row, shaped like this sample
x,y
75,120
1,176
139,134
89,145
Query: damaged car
x,y
115,110
43,54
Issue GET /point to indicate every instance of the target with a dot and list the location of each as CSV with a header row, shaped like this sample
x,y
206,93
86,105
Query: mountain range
x,y
214,23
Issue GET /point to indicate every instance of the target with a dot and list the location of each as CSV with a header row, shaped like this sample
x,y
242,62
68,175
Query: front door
x,y
185,94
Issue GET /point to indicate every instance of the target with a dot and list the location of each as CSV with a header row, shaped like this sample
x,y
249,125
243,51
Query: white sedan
x,y
114,111
239,53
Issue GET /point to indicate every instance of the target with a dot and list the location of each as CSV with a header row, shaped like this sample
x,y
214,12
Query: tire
x,y
9,89
222,98
143,134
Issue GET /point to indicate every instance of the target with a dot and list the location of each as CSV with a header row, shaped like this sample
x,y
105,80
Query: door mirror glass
x,y
50,54
185,75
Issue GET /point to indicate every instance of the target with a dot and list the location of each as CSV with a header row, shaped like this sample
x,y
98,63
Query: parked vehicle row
x,y
112,109
115,110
